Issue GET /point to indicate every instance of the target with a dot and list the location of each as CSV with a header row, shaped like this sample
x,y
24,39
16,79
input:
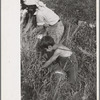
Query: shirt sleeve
x,y
40,19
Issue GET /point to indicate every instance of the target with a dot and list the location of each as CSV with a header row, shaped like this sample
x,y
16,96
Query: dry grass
x,y
36,86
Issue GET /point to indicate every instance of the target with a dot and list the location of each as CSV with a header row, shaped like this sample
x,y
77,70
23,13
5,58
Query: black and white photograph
x,y
58,48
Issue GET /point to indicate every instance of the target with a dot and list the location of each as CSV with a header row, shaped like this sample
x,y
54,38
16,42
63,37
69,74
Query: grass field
x,y
80,37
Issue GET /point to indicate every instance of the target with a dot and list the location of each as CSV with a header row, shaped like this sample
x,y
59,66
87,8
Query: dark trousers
x,y
69,66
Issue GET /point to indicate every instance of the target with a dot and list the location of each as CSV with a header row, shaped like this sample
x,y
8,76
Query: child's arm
x,y
53,58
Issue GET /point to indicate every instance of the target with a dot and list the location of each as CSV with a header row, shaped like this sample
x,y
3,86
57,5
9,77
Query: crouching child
x,y
67,57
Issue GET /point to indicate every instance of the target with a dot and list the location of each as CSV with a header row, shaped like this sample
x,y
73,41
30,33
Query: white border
x,y
10,50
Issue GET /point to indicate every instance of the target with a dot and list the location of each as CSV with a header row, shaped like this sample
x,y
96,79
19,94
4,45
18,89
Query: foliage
x,y
45,85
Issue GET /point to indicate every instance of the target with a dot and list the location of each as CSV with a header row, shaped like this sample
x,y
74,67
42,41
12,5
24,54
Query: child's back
x,y
63,51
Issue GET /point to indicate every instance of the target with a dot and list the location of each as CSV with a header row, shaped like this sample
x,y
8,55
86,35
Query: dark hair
x,y
43,44
46,41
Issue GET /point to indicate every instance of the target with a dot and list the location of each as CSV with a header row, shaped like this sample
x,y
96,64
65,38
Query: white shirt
x,y
31,2
46,16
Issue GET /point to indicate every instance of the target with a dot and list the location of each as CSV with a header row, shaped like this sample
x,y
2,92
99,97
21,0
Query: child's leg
x,y
71,75
73,71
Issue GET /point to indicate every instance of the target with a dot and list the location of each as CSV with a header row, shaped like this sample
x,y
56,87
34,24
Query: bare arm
x,y
53,58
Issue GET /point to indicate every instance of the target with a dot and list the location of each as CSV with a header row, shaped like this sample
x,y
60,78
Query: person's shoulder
x,y
63,47
57,52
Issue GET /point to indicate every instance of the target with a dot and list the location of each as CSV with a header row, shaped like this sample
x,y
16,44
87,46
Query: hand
x,y
41,69
40,36
43,72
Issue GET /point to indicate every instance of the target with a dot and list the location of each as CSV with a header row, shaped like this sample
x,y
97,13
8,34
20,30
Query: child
x,y
47,44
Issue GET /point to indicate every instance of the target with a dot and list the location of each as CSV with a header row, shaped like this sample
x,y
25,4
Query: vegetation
x,y
77,15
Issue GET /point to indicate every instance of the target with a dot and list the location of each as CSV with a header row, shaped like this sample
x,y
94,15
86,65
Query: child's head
x,y
46,43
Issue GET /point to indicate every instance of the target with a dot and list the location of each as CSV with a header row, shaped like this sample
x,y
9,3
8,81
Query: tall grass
x,y
45,85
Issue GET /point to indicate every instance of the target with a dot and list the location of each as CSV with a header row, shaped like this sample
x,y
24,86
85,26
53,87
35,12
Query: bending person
x,y
62,51
48,21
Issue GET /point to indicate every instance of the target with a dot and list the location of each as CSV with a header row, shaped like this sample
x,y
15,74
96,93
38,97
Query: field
x,y
79,19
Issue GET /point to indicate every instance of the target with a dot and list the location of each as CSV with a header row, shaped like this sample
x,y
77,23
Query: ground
x,y
80,37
